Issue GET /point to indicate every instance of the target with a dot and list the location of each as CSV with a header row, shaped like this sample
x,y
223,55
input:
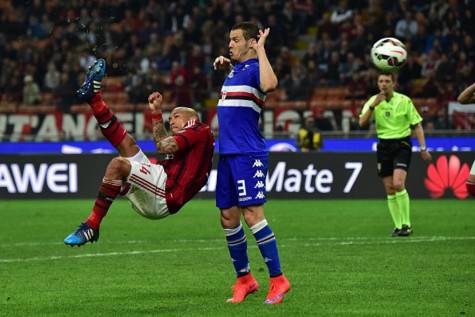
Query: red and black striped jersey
x,y
188,169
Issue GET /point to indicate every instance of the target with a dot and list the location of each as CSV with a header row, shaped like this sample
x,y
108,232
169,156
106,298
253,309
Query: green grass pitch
x,y
337,254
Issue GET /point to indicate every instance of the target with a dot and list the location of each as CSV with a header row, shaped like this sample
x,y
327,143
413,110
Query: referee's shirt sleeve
x,y
366,105
413,116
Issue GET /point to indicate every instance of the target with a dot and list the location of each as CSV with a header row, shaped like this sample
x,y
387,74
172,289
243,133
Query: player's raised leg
x,y
118,169
111,127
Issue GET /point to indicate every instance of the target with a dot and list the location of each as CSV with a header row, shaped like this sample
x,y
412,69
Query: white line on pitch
x,y
345,242
220,240
37,244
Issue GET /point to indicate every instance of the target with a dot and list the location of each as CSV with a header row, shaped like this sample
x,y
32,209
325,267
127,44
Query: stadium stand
x,y
319,50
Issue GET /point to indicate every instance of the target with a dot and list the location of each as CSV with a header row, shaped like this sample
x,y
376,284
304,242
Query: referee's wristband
x,y
423,148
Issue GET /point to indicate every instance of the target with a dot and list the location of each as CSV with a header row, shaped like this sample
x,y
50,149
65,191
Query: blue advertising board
x,y
437,144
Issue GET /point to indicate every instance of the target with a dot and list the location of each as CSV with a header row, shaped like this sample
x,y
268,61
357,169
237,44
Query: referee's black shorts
x,y
392,154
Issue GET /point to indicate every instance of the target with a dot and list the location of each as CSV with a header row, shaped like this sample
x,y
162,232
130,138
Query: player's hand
x,y
222,62
155,101
262,39
426,156
379,98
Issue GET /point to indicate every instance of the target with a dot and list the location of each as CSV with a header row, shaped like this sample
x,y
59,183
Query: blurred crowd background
x,y
319,50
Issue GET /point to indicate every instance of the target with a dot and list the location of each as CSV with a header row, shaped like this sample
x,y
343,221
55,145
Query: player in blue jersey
x,y
243,159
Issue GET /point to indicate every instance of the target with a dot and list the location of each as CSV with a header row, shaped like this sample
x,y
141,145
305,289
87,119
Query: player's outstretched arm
x,y
267,76
468,95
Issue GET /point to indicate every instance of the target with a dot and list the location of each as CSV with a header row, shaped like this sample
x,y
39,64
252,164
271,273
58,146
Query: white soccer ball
x,y
388,54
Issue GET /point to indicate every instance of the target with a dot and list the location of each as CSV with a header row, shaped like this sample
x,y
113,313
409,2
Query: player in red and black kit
x,y
154,190
467,96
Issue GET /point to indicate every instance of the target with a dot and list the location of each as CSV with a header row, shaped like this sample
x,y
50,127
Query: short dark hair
x,y
249,30
393,77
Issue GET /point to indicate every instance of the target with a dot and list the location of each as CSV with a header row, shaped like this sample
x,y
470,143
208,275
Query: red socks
x,y
111,127
107,193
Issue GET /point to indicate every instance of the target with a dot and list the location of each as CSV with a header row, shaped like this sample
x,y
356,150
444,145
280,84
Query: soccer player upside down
x,y
154,190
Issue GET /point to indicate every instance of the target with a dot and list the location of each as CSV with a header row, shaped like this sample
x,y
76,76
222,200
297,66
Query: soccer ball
x,y
388,54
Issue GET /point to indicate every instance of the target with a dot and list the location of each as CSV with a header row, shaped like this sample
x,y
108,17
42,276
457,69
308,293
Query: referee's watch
x,y
423,148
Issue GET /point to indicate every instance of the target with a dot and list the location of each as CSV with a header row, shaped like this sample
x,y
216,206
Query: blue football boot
x,y
82,235
92,83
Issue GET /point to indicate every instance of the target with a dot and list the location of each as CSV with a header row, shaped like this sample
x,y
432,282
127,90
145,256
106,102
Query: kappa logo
x,y
445,174
257,163
258,174
260,195
231,74
259,184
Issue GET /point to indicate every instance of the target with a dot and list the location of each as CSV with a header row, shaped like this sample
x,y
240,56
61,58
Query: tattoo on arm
x,y
167,145
159,132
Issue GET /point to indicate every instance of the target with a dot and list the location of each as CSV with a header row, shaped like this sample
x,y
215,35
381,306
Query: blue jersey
x,y
239,109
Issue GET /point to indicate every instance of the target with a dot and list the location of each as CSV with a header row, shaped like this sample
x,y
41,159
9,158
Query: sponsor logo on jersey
x,y
258,174
260,195
259,184
257,163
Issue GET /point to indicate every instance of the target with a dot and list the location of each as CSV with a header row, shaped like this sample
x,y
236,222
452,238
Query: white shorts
x,y
147,190
472,171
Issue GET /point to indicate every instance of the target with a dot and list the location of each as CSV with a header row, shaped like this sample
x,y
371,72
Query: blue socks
x,y
237,245
268,246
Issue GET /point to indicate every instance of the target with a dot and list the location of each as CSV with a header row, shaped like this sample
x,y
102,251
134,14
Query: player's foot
x,y
395,232
83,234
92,83
279,285
244,286
405,231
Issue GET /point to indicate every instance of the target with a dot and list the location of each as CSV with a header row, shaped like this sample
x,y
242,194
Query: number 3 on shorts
x,y
241,187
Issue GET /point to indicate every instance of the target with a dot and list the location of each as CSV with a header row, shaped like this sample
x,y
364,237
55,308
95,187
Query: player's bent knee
x,y
229,223
119,166
230,218
253,216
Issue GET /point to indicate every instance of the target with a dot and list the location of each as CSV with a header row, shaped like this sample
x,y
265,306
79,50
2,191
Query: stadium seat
x,y
35,109
118,97
80,108
113,84
7,107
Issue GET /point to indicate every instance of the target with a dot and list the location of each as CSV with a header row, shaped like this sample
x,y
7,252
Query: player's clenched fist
x,y
155,101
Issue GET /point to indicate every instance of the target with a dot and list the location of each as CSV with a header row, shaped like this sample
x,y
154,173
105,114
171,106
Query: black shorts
x,y
392,154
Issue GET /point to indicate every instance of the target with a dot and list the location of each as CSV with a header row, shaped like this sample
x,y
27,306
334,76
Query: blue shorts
x,y
241,180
